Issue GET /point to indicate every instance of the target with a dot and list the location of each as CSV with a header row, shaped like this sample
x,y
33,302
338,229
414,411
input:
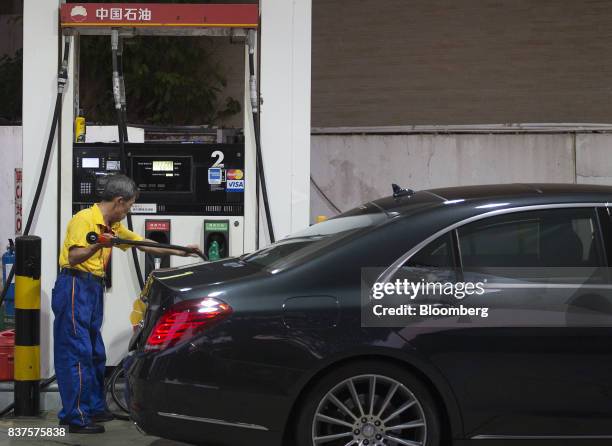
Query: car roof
x,y
520,190
516,194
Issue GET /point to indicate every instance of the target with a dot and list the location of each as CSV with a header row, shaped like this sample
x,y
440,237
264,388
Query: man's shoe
x,y
103,417
88,429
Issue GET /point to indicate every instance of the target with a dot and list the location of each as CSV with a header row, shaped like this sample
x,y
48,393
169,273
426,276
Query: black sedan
x,y
278,347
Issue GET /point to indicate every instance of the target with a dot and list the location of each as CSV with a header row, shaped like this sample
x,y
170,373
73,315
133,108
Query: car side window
x,y
433,263
500,241
438,254
555,239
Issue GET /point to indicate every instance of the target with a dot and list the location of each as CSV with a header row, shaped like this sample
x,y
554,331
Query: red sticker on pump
x,y
157,226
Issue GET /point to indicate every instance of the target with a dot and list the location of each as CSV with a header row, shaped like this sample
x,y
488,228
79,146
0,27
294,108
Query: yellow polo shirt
x,y
91,220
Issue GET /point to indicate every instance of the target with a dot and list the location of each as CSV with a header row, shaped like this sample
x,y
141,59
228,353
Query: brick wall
x,y
403,62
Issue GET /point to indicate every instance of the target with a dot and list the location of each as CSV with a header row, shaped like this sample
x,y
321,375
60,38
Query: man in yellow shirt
x,y
77,303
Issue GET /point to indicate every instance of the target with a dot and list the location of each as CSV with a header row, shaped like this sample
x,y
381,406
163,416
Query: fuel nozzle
x,y
62,75
252,78
122,98
214,251
116,81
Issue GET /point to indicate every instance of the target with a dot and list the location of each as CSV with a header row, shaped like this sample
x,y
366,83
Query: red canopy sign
x,y
157,14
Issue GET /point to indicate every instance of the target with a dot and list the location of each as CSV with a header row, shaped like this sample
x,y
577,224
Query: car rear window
x,y
296,247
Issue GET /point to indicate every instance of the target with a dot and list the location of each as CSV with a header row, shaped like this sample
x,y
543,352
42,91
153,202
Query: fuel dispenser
x,y
178,181
189,192
284,49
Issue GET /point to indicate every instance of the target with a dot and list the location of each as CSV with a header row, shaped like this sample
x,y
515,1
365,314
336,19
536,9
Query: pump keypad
x,y
86,188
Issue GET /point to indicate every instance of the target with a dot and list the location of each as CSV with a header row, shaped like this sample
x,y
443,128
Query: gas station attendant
x,y
77,303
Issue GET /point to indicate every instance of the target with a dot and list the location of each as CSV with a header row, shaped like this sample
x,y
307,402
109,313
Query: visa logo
x,y
235,186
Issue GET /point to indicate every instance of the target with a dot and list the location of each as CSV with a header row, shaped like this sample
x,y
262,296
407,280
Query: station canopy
x,y
133,19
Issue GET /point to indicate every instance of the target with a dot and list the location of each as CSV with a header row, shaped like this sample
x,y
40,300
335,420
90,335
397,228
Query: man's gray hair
x,y
119,185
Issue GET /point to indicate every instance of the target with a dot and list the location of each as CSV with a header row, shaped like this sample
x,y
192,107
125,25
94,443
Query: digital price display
x,y
170,175
163,166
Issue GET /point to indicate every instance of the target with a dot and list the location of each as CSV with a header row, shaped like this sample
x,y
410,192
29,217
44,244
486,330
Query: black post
x,y
27,325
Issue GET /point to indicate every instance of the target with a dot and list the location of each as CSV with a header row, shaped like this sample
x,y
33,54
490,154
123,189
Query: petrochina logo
x,y
78,13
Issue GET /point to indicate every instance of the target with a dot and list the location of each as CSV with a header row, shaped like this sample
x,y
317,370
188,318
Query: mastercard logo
x,y
235,174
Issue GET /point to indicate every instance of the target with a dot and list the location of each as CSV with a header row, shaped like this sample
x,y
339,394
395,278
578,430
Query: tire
x,y
410,415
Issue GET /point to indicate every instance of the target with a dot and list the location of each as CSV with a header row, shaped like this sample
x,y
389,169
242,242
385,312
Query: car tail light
x,y
184,320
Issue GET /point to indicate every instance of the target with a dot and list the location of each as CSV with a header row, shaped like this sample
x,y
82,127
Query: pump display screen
x,y
91,163
163,166
168,174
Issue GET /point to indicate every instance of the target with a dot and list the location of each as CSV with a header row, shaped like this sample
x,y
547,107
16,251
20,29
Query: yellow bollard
x,y
27,325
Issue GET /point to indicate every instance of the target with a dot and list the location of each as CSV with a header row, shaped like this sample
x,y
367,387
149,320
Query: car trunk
x,y
168,286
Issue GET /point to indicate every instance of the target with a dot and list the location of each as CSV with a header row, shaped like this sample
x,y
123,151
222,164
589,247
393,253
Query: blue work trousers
x,y
79,355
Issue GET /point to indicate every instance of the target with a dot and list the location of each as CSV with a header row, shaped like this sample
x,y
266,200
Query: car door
x,y
545,377
539,267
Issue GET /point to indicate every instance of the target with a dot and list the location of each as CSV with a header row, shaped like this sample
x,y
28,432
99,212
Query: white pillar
x,y
40,54
285,112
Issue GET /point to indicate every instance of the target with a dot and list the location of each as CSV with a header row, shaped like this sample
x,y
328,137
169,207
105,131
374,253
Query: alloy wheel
x,y
369,410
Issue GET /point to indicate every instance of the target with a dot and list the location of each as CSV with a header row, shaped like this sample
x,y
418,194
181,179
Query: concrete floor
x,y
117,433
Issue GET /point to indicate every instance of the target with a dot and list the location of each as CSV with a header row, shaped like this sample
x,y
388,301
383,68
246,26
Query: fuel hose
x,y
261,174
120,107
93,237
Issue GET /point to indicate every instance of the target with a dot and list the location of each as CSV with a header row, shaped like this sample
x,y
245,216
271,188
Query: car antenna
x,y
400,192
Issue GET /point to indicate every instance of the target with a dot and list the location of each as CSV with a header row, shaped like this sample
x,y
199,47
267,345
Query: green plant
x,y
10,87
169,80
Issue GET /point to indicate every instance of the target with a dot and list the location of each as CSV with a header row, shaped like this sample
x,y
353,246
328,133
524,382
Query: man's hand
x,y
197,252
104,240
170,252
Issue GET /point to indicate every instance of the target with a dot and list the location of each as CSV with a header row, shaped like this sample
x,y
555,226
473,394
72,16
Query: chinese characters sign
x,y
18,195
157,225
129,14
159,14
